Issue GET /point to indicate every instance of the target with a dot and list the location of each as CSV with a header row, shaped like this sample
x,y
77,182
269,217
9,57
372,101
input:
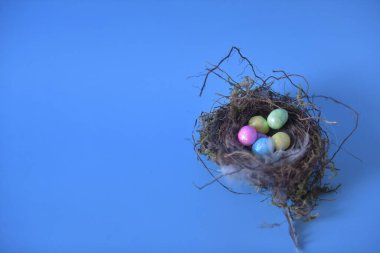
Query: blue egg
x,y
263,146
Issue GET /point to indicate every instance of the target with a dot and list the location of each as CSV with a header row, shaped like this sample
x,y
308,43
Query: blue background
x,y
96,114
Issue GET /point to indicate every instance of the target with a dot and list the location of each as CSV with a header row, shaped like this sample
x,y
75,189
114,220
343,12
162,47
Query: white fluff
x,y
252,170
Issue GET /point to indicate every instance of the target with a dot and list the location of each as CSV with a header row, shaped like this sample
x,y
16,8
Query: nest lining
x,y
294,174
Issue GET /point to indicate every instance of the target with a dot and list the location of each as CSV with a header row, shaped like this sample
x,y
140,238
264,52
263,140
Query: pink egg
x,y
247,135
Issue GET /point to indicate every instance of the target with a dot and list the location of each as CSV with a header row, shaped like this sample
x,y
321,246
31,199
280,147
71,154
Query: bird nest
x,y
293,178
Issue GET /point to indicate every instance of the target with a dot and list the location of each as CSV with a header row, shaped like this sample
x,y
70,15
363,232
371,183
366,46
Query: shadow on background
x,y
357,162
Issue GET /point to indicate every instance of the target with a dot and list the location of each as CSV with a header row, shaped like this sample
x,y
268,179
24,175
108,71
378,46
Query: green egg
x,y
277,118
281,141
259,123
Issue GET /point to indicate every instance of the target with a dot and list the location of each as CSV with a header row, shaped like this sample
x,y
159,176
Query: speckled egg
x,y
263,146
277,118
281,141
259,123
247,135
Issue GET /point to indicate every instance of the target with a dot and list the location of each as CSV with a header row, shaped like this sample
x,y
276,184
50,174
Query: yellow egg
x,y
281,141
259,123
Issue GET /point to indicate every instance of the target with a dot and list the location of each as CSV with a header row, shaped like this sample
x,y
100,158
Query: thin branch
x,y
215,67
353,129
292,229
218,178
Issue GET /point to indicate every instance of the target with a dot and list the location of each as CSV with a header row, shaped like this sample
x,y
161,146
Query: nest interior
x,y
294,177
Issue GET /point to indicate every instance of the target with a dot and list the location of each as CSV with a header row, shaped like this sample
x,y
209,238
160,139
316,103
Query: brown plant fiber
x,y
292,178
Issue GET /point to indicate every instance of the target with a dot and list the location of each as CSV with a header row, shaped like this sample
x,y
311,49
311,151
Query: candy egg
x,y
277,118
259,123
281,141
263,146
261,135
247,135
